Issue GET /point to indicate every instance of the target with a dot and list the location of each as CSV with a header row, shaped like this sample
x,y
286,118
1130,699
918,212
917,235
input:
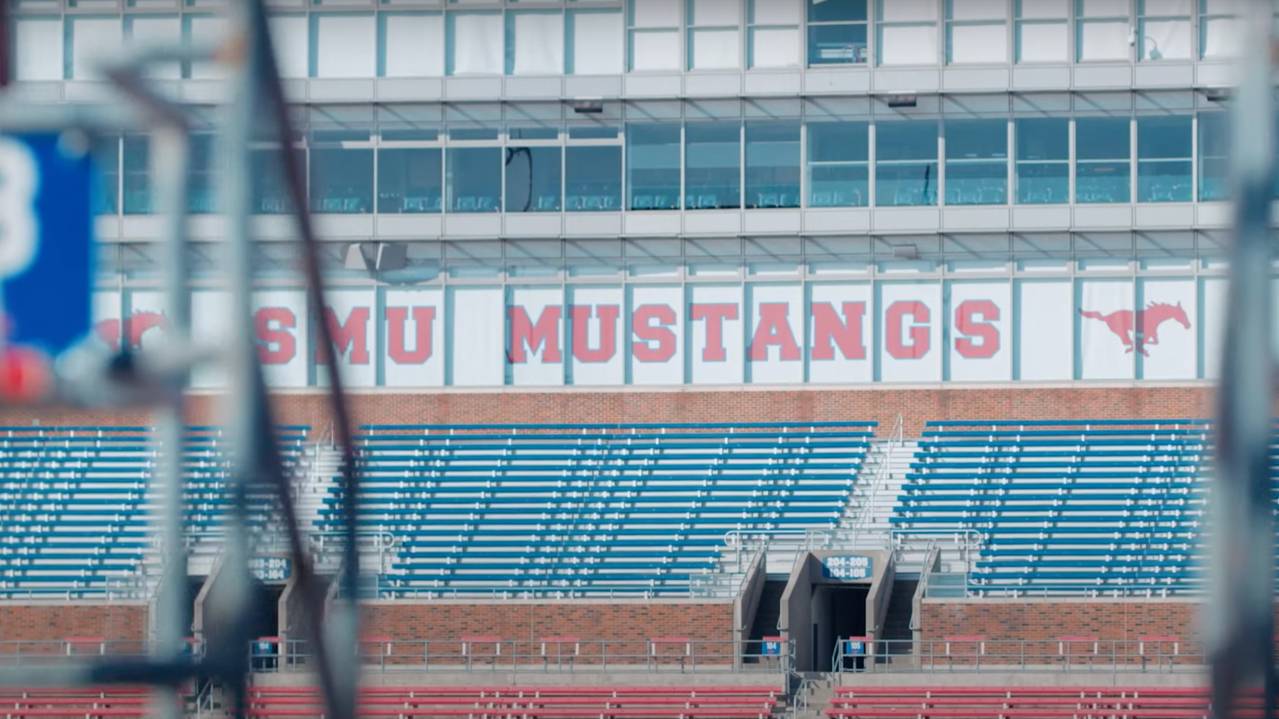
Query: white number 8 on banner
x,y
19,226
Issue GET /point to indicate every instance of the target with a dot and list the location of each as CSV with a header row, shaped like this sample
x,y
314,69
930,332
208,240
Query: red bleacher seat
x,y
964,702
530,702
71,703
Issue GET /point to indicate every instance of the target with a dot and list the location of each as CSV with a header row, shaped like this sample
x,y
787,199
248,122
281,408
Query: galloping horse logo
x,y
1140,329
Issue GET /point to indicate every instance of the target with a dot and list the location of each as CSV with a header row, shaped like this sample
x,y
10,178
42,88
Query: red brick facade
x,y
112,622
619,631
883,404
1033,619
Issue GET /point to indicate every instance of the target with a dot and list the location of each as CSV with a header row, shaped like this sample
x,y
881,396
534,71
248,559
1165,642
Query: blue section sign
x,y
46,247
848,566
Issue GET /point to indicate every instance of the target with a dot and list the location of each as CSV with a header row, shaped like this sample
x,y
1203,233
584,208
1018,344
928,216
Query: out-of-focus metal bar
x,y
233,599
1241,613
338,654
170,165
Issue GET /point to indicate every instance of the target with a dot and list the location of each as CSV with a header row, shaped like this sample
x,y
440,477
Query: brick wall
x,y
626,625
125,623
1049,619
882,404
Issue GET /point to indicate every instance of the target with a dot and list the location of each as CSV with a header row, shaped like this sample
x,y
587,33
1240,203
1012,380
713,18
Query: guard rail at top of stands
x,y
482,653
970,653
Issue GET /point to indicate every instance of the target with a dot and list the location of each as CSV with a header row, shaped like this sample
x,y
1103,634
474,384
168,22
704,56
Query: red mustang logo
x,y
1140,329
134,327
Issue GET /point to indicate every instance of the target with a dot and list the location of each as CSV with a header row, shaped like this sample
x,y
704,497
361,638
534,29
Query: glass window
x,y
1101,30
1214,156
712,165
137,175
152,30
836,32
653,31
838,164
1043,160
475,43
345,45
341,180
291,41
90,40
975,32
203,190
533,179
269,194
594,178
595,42
106,159
474,179
1101,159
774,33
713,28
1042,30
907,32
976,162
1163,159
772,164
905,163
412,44
652,161
1218,28
1163,29
204,29
534,43
37,52
410,179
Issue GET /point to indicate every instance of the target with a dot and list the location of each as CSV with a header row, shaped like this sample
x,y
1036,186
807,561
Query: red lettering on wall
x,y
918,345
652,324
847,334
582,351
774,329
527,337
424,320
714,313
984,332
353,335
276,343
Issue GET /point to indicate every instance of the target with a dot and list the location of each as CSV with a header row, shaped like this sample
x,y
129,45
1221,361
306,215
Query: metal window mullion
x,y
872,164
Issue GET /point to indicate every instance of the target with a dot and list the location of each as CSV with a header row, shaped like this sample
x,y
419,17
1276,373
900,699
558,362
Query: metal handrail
x,y
1063,654
542,655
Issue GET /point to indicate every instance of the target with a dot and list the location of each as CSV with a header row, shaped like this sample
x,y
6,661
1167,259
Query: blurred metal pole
x,y
233,603
338,656
1240,616
6,45
170,153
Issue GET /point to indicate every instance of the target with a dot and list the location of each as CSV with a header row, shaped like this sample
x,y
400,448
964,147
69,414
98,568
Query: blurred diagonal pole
x,y
257,87
1240,616
343,624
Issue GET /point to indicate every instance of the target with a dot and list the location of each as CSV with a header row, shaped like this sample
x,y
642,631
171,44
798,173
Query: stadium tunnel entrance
x,y
832,595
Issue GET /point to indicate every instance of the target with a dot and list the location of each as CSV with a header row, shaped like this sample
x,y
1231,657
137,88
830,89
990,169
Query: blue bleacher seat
x,y
1063,507
589,509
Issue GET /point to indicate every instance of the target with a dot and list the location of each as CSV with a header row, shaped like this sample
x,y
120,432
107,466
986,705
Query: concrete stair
x,y
865,524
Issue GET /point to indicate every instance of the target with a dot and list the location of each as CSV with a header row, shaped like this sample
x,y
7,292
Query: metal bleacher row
x,y
1111,506
530,702
1026,702
75,500
590,508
